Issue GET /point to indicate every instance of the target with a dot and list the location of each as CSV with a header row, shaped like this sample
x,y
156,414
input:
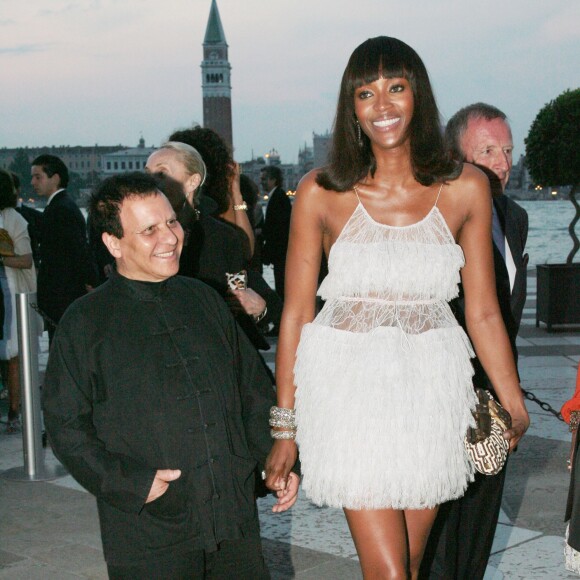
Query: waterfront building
x,y
215,79
321,147
305,159
85,161
126,160
252,169
291,172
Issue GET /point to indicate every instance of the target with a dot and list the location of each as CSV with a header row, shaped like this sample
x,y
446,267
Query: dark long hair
x,y
7,190
350,162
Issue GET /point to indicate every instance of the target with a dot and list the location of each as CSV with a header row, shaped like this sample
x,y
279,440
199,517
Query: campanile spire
x,y
215,78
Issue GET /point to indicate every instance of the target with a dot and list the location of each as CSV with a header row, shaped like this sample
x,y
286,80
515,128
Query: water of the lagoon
x,y
548,238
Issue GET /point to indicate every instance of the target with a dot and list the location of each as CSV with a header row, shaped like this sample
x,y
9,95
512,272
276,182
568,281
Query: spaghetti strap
x,y
438,194
355,189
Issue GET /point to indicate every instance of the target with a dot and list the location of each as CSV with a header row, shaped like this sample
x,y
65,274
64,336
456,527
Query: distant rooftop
x,y
214,33
141,151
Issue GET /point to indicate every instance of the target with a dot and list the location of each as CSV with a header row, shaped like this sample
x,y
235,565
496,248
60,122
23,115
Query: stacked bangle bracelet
x,y
284,419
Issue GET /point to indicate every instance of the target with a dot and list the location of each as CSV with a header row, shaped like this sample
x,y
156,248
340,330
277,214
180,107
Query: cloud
x,y
7,22
83,6
24,49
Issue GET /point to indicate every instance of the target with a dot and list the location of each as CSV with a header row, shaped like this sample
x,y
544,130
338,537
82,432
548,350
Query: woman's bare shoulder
x,y
472,186
309,182
472,179
309,189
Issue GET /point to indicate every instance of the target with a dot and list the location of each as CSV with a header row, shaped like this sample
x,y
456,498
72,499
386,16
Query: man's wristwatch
x,y
261,315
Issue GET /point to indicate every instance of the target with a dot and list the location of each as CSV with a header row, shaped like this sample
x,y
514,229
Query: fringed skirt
x,y
382,416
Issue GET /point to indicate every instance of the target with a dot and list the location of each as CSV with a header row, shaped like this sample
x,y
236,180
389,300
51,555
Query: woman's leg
x,y
419,524
380,538
390,542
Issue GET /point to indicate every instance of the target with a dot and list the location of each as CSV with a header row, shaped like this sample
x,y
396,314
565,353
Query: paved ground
x,y
50,529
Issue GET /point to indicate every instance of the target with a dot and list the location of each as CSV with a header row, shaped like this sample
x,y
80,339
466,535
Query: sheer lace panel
x,y
383,275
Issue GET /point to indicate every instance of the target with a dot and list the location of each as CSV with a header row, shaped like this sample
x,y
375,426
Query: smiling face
x,y
384,109
489,143
152,239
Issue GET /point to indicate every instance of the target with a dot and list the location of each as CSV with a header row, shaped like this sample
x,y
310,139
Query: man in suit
x,y
462,536
276,228
66,271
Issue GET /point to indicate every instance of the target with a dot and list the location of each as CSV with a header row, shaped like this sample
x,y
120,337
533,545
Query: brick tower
x,y
215,78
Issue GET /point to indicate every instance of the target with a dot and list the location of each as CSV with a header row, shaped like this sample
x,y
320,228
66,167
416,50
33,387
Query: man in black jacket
x,y
460,542
66,271
157,404
276,228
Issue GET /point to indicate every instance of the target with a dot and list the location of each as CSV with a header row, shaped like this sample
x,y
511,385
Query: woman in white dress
x,y
376,390
17,274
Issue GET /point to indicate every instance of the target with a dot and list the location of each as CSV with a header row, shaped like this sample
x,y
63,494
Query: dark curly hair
x,y
350,162
218,161
106,200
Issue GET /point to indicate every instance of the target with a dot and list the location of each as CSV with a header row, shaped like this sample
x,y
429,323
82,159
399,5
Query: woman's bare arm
x,y
482,313
239,217
302,267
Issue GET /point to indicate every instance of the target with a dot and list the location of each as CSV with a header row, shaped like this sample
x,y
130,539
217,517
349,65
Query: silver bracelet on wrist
x,y
241,206
280,417
288,435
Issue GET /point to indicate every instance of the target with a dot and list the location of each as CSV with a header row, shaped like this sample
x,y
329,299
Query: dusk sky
x,y
80,72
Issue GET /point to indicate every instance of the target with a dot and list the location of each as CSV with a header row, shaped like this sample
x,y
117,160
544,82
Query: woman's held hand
x,y
280,461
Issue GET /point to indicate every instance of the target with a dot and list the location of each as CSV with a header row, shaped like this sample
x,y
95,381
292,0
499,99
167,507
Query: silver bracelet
x,y
241,206
291,435
280,417
282,423
261,315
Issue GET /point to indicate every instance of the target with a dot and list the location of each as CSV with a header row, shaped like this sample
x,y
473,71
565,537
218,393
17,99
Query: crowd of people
x,y
156,396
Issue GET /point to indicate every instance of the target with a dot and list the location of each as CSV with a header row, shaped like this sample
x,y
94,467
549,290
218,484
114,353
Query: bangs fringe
x,y
382,58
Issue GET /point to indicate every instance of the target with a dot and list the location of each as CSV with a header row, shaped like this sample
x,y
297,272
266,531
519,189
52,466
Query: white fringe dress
x,y
383,374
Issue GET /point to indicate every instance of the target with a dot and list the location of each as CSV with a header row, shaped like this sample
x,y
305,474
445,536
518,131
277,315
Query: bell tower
x,y
215,78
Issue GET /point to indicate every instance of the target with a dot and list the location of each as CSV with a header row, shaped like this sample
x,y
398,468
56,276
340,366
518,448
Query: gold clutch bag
x,y
484,443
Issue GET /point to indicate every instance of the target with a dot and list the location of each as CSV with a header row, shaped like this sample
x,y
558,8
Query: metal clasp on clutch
x,y
482,416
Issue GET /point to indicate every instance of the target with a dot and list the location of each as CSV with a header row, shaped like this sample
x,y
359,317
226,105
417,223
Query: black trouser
x,y
239,559
279,278
461,538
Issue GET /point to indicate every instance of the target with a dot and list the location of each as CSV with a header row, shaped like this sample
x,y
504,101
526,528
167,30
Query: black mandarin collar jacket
x,y
146,376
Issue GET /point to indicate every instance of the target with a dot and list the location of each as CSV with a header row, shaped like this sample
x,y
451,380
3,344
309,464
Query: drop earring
x,y
359,133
